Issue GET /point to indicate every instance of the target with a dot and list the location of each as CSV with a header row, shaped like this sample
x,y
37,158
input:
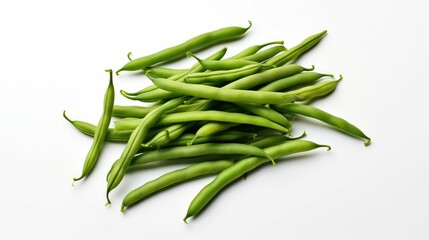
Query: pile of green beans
x,y
221,117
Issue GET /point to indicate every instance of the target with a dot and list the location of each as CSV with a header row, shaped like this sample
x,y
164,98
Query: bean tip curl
x,y
129,56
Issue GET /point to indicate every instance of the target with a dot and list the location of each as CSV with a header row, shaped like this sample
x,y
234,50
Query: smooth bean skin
x,y
211,128
265,54
268,113
89,129
225,75
171,133
141,112
253,50
174,177
292,81
226,64
297,50
164,72
210,115
223,94
197,150
325,117
266,76
194,44
314,91
100,131
243,166
229,136
117,172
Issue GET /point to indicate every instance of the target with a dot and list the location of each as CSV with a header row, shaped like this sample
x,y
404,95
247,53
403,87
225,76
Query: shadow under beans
x,y
280,162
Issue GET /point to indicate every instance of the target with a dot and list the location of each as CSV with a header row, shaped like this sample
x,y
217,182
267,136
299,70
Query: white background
x,y
53,55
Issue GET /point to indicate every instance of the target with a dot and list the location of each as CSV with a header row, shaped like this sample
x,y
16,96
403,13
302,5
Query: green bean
x,y
100,131
174,177
265,54
226,64
325,117
153,92
298,50
166,72
211,128
294,80
243,166
196,43
89,129
229,136
117,172
210,115
140,112
223,94
197,150
313,91
253,50
224,75
268,113
171,133
267,76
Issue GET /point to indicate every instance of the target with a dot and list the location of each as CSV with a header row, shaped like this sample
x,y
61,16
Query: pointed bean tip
x,y
185,219
250,24
66,117
117,72
123,208
367,142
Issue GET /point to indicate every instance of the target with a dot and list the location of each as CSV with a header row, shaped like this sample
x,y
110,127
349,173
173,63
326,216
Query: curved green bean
x,y
314,91
297,50
100,131
196,43
253,50
211,128
243,166
174,177
229,136
294,80
164,72
171,133
226,64
325,117
267,113
224,75
265,54
117,172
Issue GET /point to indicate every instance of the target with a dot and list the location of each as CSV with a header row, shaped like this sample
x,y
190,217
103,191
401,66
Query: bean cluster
x,y
222,116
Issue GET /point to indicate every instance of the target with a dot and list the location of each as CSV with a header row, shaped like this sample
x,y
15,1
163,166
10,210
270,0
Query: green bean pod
x,y
226,64
267,113
242,167
265,54
223,94
89,129
197,150
267,76
325,117
174,177
164,72
210,115
297,50
224,75
211,128
100,131
194,44
171,133
141,112
117,171
314,91
253,50
229,136
292,81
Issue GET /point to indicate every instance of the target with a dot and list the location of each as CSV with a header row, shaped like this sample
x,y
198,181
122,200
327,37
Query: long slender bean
x,y
166,72
292,81
194,44
117,172
100,131
325,117
243,166
210,115
226,64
